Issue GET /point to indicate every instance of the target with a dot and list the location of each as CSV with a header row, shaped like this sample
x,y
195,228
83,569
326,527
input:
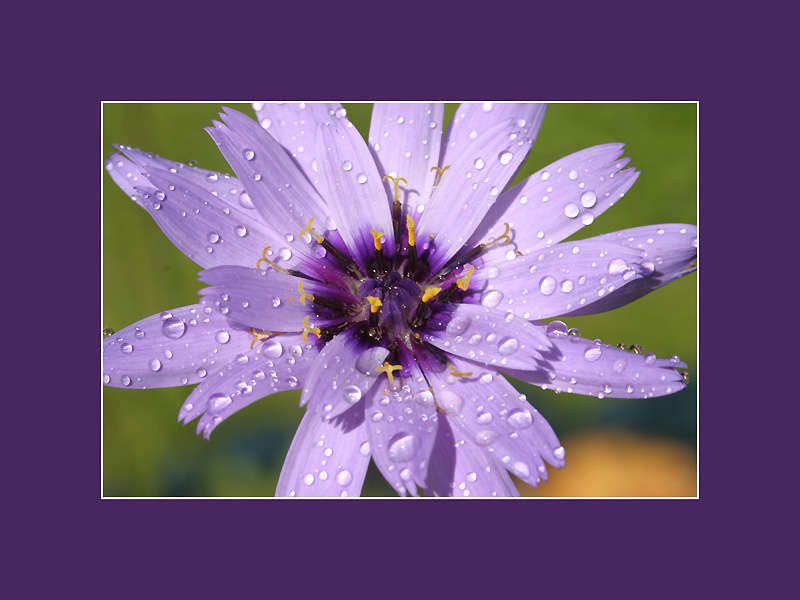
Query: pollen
x,y
310,230
303,295
308,329
412,233
374,304
430,292
389,369
463,281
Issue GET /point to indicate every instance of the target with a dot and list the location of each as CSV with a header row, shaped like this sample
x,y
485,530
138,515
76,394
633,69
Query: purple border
x,y
570,547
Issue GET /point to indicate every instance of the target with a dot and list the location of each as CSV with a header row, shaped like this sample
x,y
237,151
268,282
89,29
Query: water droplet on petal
x,y
213,237
521,470
593,354
547,285
559,452
126,348
343,478
458,324
240,230
508,347
486,437
588,199
557,329
571,210
449,402
520,418
272,348
126,381
403,447
352,394
248,154
479,163
617,266
347,165
245,202
222,337
505,158
216,402
491,298
155,364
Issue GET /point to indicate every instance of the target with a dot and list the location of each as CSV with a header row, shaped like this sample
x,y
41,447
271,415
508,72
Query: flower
x,y
393,282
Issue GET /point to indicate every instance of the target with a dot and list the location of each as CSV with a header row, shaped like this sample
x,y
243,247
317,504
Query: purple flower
x,y
394,282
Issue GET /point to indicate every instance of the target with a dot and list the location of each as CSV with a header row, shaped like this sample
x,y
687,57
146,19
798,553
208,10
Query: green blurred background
x,y
615,447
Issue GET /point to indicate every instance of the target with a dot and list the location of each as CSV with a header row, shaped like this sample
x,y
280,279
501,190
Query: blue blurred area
x,y
147,453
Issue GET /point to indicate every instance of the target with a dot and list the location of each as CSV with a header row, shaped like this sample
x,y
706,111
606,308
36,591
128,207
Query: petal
x,y
278,365
326,458
344,372
579,366
490,413
473,119
405,140
470,187
276,186
558,200
553,281
401,424
459,467
206,229
485,335
294,126
227,188
271,300
350,182
176,347
668,253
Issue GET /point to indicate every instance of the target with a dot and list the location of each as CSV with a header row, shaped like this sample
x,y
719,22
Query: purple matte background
x,y
64,539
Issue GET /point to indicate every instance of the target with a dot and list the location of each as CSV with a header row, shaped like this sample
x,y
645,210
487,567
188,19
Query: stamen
x,y
374,304
319,238
505,235
269,262
260,335
389,369
412,233
456,373
430,292
377,235
439,174
463,281
303,295
396,181
308,329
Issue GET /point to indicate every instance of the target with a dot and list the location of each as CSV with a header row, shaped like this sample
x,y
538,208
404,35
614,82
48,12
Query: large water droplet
x,y
486,437
449,402
272,348
403,446
588,199
479,163
508,346
520,418
557,329
559,452
458,324
505,158
222,337
155,364
352,394
126,348
617,266
547,285
248,154
593,354
240,230
216,402
571,210
343,478
245,202
491,298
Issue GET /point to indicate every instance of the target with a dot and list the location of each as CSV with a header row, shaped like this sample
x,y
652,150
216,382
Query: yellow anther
x,y
303,295
439,174
260,335
377,235
269,262
374,303
389,369
430,292
463,281
396,181
308,329
412,233
456,373
308,228
505,235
